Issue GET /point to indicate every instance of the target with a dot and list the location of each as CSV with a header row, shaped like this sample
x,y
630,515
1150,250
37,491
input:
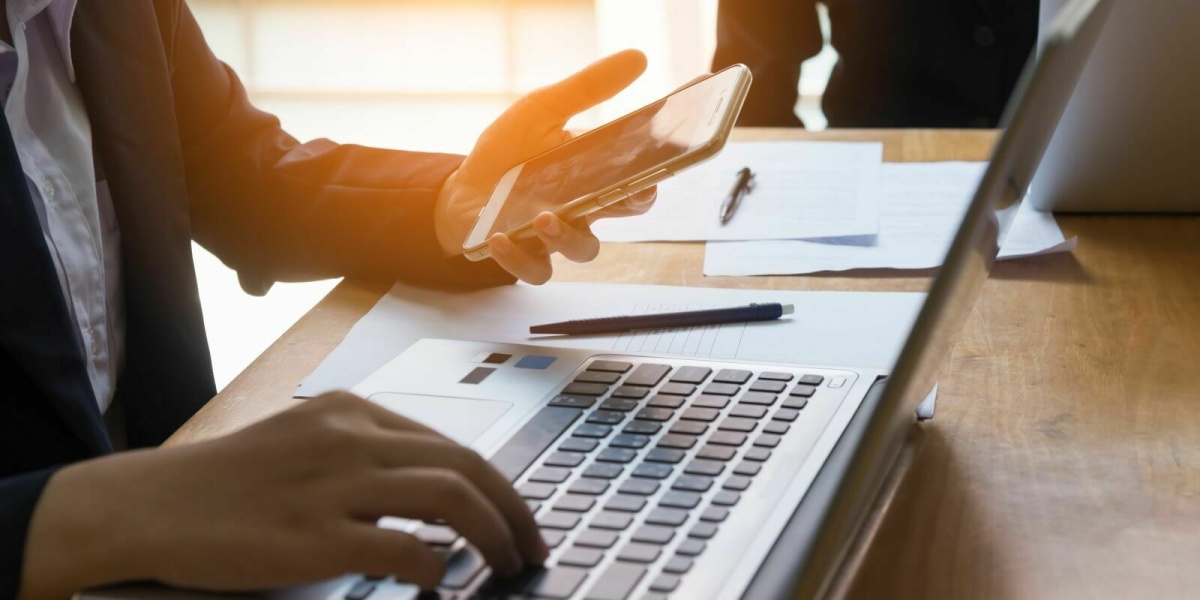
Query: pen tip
x,y
788,309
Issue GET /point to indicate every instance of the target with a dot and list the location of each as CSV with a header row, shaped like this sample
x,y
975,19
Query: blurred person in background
x,y
901,63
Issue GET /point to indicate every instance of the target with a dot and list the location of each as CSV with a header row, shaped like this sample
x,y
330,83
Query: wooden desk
x,y
1064,461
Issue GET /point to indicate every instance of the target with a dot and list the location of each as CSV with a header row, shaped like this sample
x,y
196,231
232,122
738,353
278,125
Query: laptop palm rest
x,y
460,419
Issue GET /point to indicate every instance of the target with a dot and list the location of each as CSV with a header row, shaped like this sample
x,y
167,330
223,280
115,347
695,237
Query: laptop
x,y
1127,141
654,477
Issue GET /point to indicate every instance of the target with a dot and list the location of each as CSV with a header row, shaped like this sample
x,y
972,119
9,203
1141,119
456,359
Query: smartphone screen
x,y
636,144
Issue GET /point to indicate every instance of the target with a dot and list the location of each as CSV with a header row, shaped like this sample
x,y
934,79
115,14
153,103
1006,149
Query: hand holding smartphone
x,y
614,161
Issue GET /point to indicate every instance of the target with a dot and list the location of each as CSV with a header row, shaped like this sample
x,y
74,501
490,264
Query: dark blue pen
x,y
671,320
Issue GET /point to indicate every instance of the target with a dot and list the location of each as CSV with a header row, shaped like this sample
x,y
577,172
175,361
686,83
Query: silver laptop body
x,y
1128,140
659,477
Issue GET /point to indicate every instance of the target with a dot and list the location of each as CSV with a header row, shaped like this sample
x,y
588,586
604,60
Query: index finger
x,y
590,86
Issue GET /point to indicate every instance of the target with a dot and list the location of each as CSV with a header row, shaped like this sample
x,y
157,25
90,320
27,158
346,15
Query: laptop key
x,y
597,377
692,483
653,471
786,415
665,583
558,520
665,455
596,538
639,487
592,430
574,503
617,582
603,471
642,427
536,491
360,591
647,375
747,468
758,398
675,440
757,454
532,440
700,414
737,376
748,411
641,553
578,444
727,438
708,401
677,389
767,440
616,455
564,459
611,366
618,405
700,466
737,424
678,565
606,417
573,401
684,500
625,503
693,375
776,427
726,498
722,389
668,517
690,547
629,440
803,391
630,391
689,428
436,535
714,514
655,414
711,452
795,403
550,475
661,401
553,537
775,376
585,389
581,557
556,583
461,567
773,387
611,520
703,531
738,483
591,487
651,534
811,379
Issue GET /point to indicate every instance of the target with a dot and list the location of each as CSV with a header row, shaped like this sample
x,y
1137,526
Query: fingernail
x,y
551,226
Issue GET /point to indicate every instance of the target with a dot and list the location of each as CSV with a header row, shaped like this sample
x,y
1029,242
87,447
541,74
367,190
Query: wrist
x,y
85,530
449,237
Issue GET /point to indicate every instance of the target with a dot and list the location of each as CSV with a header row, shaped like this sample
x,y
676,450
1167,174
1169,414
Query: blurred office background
x,y
427,75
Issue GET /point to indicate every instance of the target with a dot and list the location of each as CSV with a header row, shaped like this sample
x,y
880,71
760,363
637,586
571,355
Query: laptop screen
x,y
1029,123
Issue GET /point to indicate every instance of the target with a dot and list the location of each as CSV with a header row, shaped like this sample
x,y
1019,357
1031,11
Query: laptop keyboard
x,y
631,470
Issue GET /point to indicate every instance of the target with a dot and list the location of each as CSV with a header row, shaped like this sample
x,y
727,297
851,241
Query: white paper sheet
x,y
802,190
922,206
850,329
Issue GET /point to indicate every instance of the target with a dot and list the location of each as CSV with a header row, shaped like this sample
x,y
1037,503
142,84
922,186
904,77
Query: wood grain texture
x,y
1064,461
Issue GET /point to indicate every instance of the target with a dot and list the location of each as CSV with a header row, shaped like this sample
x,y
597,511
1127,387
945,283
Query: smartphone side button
x,y
611,198
650,180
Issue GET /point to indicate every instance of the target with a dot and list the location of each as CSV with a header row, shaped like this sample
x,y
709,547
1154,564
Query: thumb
x,y
590,86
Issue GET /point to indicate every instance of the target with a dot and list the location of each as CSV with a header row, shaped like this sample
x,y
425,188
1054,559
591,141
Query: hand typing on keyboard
x,y
290,500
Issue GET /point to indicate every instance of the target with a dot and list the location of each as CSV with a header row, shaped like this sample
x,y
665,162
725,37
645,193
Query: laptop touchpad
x,y
460,419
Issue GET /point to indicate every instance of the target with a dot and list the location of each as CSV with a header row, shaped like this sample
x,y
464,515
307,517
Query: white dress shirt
x,y
53,138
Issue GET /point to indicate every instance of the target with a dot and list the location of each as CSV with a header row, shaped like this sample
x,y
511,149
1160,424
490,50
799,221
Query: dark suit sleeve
x,y
773,38
278,210
18,498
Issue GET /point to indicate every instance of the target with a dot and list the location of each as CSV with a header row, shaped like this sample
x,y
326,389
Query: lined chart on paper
x,y
709,341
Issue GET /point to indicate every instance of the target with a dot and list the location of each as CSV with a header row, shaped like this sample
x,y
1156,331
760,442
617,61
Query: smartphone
x,y
614,161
